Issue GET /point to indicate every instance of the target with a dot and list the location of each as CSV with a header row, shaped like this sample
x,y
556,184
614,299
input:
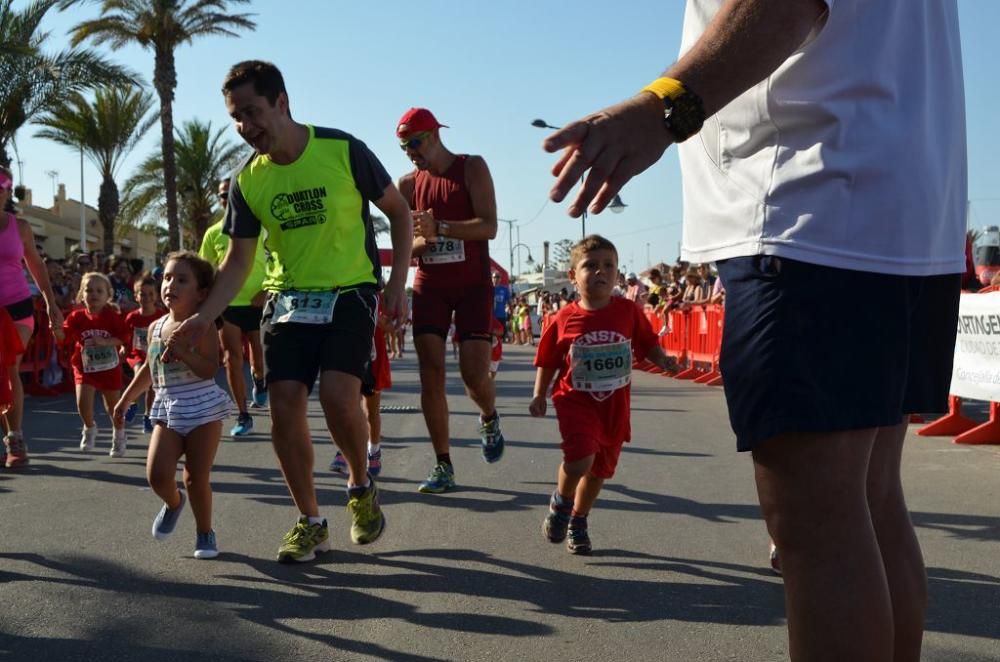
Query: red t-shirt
x,y
618,325
137,326
448,198
102,371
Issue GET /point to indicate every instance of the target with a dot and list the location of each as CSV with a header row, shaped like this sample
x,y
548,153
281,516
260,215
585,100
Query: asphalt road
x,y
679,571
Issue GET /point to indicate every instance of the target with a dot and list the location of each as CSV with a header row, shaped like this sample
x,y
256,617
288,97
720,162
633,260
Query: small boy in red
x,y
496,352
137,324
588,347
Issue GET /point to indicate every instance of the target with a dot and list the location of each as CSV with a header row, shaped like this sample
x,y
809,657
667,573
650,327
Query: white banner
x,y
977,348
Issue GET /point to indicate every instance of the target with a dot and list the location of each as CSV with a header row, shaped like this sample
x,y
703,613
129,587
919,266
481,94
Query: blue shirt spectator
x,y
501,295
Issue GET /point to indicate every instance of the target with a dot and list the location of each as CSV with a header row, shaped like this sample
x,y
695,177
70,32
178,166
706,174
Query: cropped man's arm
x,y
484,205
743,44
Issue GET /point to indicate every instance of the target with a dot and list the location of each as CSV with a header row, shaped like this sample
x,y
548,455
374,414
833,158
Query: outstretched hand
x,y
614,144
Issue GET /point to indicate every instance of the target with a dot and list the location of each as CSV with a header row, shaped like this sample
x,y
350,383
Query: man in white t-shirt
x,y
826,157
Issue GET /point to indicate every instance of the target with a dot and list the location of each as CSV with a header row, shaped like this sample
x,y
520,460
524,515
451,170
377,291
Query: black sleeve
x,y
370,175
240,221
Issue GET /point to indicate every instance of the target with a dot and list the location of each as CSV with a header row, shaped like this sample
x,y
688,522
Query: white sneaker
x,y
118,442
88,438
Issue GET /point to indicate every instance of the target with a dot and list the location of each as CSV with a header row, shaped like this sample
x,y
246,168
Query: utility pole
x,y
510,237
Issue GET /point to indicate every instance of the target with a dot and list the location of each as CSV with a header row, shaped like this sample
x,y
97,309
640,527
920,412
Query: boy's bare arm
x,y
543,377
661,360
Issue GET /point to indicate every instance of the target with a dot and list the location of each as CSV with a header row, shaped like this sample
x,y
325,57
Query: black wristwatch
x,y
683,110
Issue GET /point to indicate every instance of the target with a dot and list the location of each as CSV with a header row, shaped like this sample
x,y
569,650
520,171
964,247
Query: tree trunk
x,y
165,81
107,211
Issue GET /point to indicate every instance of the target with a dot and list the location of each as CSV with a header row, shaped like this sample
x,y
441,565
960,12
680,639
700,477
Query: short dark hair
x,y
589,244
265,77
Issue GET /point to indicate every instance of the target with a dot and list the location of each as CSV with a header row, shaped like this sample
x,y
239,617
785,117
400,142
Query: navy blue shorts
x,y
812,349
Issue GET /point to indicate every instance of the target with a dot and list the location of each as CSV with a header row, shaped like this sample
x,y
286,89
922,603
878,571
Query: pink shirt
x,y
13,285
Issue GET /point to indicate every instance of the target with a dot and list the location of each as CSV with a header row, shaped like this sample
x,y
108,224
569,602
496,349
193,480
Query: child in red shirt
x,y
96,332
588,347
137,324
378,380
496,352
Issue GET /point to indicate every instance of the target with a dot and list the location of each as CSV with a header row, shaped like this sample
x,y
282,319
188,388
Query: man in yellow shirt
x,y
309,189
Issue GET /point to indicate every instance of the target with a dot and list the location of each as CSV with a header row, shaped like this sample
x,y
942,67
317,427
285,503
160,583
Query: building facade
x,y
57,230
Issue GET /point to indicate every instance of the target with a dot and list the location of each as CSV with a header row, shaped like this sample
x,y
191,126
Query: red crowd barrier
x,y
42,346
964,429
693,336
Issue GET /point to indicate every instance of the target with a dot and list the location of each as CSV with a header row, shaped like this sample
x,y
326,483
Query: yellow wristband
x,y
665,88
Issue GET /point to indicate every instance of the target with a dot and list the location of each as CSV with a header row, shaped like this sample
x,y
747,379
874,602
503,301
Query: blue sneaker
x,y
339,464
492,439
147,425
578,540
205,546
259,398
130,412
244,425
441,479
375,462
166,520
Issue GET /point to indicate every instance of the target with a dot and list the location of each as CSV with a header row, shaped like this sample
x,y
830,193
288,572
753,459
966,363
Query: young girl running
x,y
137,322
96,332
188,406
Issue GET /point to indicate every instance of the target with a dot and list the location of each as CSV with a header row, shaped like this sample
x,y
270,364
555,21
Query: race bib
x,y
140,339
175,373
304,307
443,250
99,358
606,367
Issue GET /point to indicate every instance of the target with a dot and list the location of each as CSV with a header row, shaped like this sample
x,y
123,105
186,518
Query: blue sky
x,y
487,69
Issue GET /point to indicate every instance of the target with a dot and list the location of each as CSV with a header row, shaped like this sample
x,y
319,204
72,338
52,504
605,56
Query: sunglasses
x,y
414,142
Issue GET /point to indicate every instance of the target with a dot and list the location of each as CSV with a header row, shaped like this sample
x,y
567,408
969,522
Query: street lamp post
x,y
617,206
529,260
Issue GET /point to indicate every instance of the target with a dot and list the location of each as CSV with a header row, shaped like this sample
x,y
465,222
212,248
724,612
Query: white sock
x,y
316,520
367,484
373,448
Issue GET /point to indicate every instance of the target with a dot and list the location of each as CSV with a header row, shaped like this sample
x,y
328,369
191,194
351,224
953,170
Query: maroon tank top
x,y
447,196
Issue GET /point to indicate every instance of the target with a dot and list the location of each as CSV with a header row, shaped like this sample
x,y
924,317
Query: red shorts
x,y
381,372
472,306
583,435
106,380
135,359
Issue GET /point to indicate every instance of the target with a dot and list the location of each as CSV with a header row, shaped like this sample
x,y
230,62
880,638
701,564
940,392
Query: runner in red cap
x,y
454,217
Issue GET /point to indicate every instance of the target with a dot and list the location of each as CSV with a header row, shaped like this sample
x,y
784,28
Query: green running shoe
x,y
441,479
303,541
367,519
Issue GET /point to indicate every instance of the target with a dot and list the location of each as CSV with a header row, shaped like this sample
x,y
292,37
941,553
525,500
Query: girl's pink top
x,y
13,285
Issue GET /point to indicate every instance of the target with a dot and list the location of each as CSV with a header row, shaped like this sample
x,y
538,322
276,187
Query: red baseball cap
x,y
416,120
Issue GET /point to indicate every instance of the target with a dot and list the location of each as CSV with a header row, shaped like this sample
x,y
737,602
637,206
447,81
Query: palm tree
x,y
107,130
204,157
163,26
31,80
